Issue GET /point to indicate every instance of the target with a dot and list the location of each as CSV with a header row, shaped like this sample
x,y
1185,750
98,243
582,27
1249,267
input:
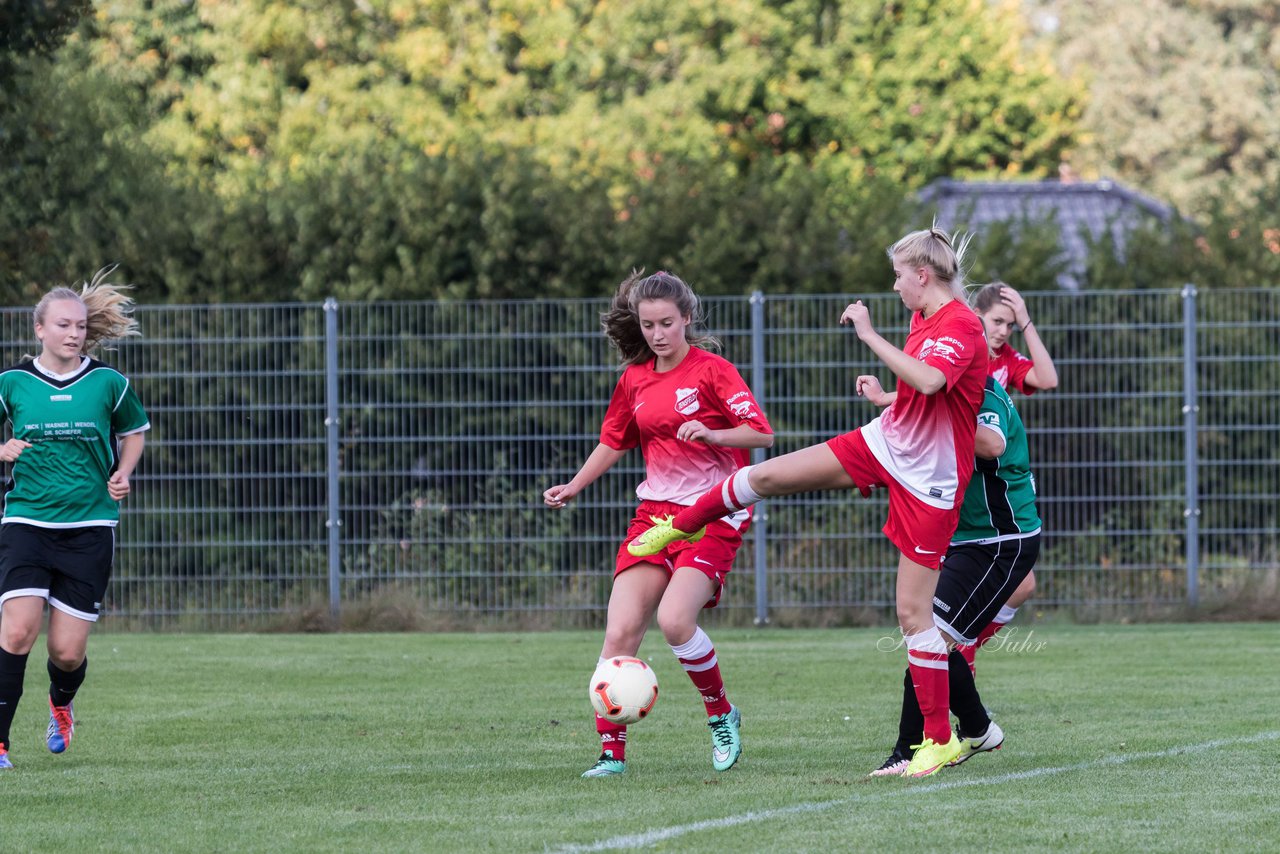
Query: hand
x,y
118,486
857,315
869,387
1017,305
695,431
12,449
558,496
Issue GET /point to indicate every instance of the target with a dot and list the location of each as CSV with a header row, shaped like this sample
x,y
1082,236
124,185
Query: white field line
x,y
640,840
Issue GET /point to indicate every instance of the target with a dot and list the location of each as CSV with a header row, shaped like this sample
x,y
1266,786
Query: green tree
x,y
1184,95
432,148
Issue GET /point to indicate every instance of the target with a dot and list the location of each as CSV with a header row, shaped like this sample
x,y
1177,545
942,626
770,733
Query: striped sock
x,y
927,660
613,737
698,658
732,494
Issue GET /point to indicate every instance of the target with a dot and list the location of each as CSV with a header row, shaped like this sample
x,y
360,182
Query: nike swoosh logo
x,y
638,405
700,560
924,551
720,755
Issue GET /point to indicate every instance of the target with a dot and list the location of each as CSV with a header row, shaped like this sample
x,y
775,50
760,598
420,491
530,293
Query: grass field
x,y
1120,738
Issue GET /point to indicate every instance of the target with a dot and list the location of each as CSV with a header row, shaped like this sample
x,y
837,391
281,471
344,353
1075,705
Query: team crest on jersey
x,y
687,401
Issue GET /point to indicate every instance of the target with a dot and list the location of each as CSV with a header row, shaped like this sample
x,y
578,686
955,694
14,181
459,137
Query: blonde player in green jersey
x,y
77,430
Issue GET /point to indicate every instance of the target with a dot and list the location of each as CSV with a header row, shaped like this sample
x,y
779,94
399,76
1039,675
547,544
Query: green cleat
x,y
930,756
726,740
661,535
606,766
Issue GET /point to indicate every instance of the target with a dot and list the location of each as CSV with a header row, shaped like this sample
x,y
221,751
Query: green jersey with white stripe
x,y
72,422
1000,503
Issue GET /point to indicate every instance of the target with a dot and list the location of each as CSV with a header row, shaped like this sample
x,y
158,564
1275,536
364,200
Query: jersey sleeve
x,y
620,430
128,415
1019,367
992,414
955,347
737,401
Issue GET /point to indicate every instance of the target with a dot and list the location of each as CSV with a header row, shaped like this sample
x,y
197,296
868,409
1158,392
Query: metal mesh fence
x,y
311,457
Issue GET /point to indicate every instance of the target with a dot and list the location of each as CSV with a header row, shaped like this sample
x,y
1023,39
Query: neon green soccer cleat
x,y
661,535
930,756
606,766
726,740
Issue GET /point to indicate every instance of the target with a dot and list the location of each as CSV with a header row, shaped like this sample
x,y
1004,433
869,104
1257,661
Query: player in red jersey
x,y
1003,310
920,448
695,420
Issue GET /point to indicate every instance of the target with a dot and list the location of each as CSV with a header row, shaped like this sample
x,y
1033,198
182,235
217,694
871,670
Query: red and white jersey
x,y
1009,368
648,407
926,441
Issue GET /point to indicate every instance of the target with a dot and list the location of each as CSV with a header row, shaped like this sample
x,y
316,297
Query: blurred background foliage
x,y
401,149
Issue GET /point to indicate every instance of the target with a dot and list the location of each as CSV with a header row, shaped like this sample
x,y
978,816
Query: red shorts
x,y
712,555
921,531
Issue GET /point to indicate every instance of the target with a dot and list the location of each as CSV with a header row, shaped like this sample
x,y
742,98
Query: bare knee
x,y
65,656
677,626
914,620
18,636
622,638
766,479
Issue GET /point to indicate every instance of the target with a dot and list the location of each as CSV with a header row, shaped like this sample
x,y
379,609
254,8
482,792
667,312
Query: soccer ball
x,y
623,690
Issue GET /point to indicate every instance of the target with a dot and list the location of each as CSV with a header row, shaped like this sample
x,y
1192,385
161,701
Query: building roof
x,y
1079,207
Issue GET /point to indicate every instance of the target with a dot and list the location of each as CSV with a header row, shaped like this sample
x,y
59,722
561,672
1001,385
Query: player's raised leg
x,y
815,467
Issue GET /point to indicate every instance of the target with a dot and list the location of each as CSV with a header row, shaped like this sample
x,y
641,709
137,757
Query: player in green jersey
x,y
1003,310
994,547
77,435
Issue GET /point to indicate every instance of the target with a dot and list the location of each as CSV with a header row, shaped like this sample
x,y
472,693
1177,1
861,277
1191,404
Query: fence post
x,y
1189,410
333,523
761,521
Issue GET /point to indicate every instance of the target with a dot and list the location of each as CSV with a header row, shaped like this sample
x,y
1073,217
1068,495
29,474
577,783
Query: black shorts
x,y
70,567
977,580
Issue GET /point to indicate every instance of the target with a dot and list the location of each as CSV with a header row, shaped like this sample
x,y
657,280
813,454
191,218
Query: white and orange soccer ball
x,y
623,690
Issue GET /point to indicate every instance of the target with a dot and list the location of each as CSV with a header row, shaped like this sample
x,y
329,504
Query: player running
x,y
77,436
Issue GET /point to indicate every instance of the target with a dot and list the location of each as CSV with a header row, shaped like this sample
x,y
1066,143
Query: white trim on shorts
x,y
41,593
67,609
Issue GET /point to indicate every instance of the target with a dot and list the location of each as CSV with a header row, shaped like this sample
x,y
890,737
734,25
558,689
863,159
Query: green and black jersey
x,y
72,423
1000,503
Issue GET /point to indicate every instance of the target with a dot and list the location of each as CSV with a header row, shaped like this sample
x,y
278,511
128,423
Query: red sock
x,y
986,634
698,658
613,738
927,659
970,650
731,494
